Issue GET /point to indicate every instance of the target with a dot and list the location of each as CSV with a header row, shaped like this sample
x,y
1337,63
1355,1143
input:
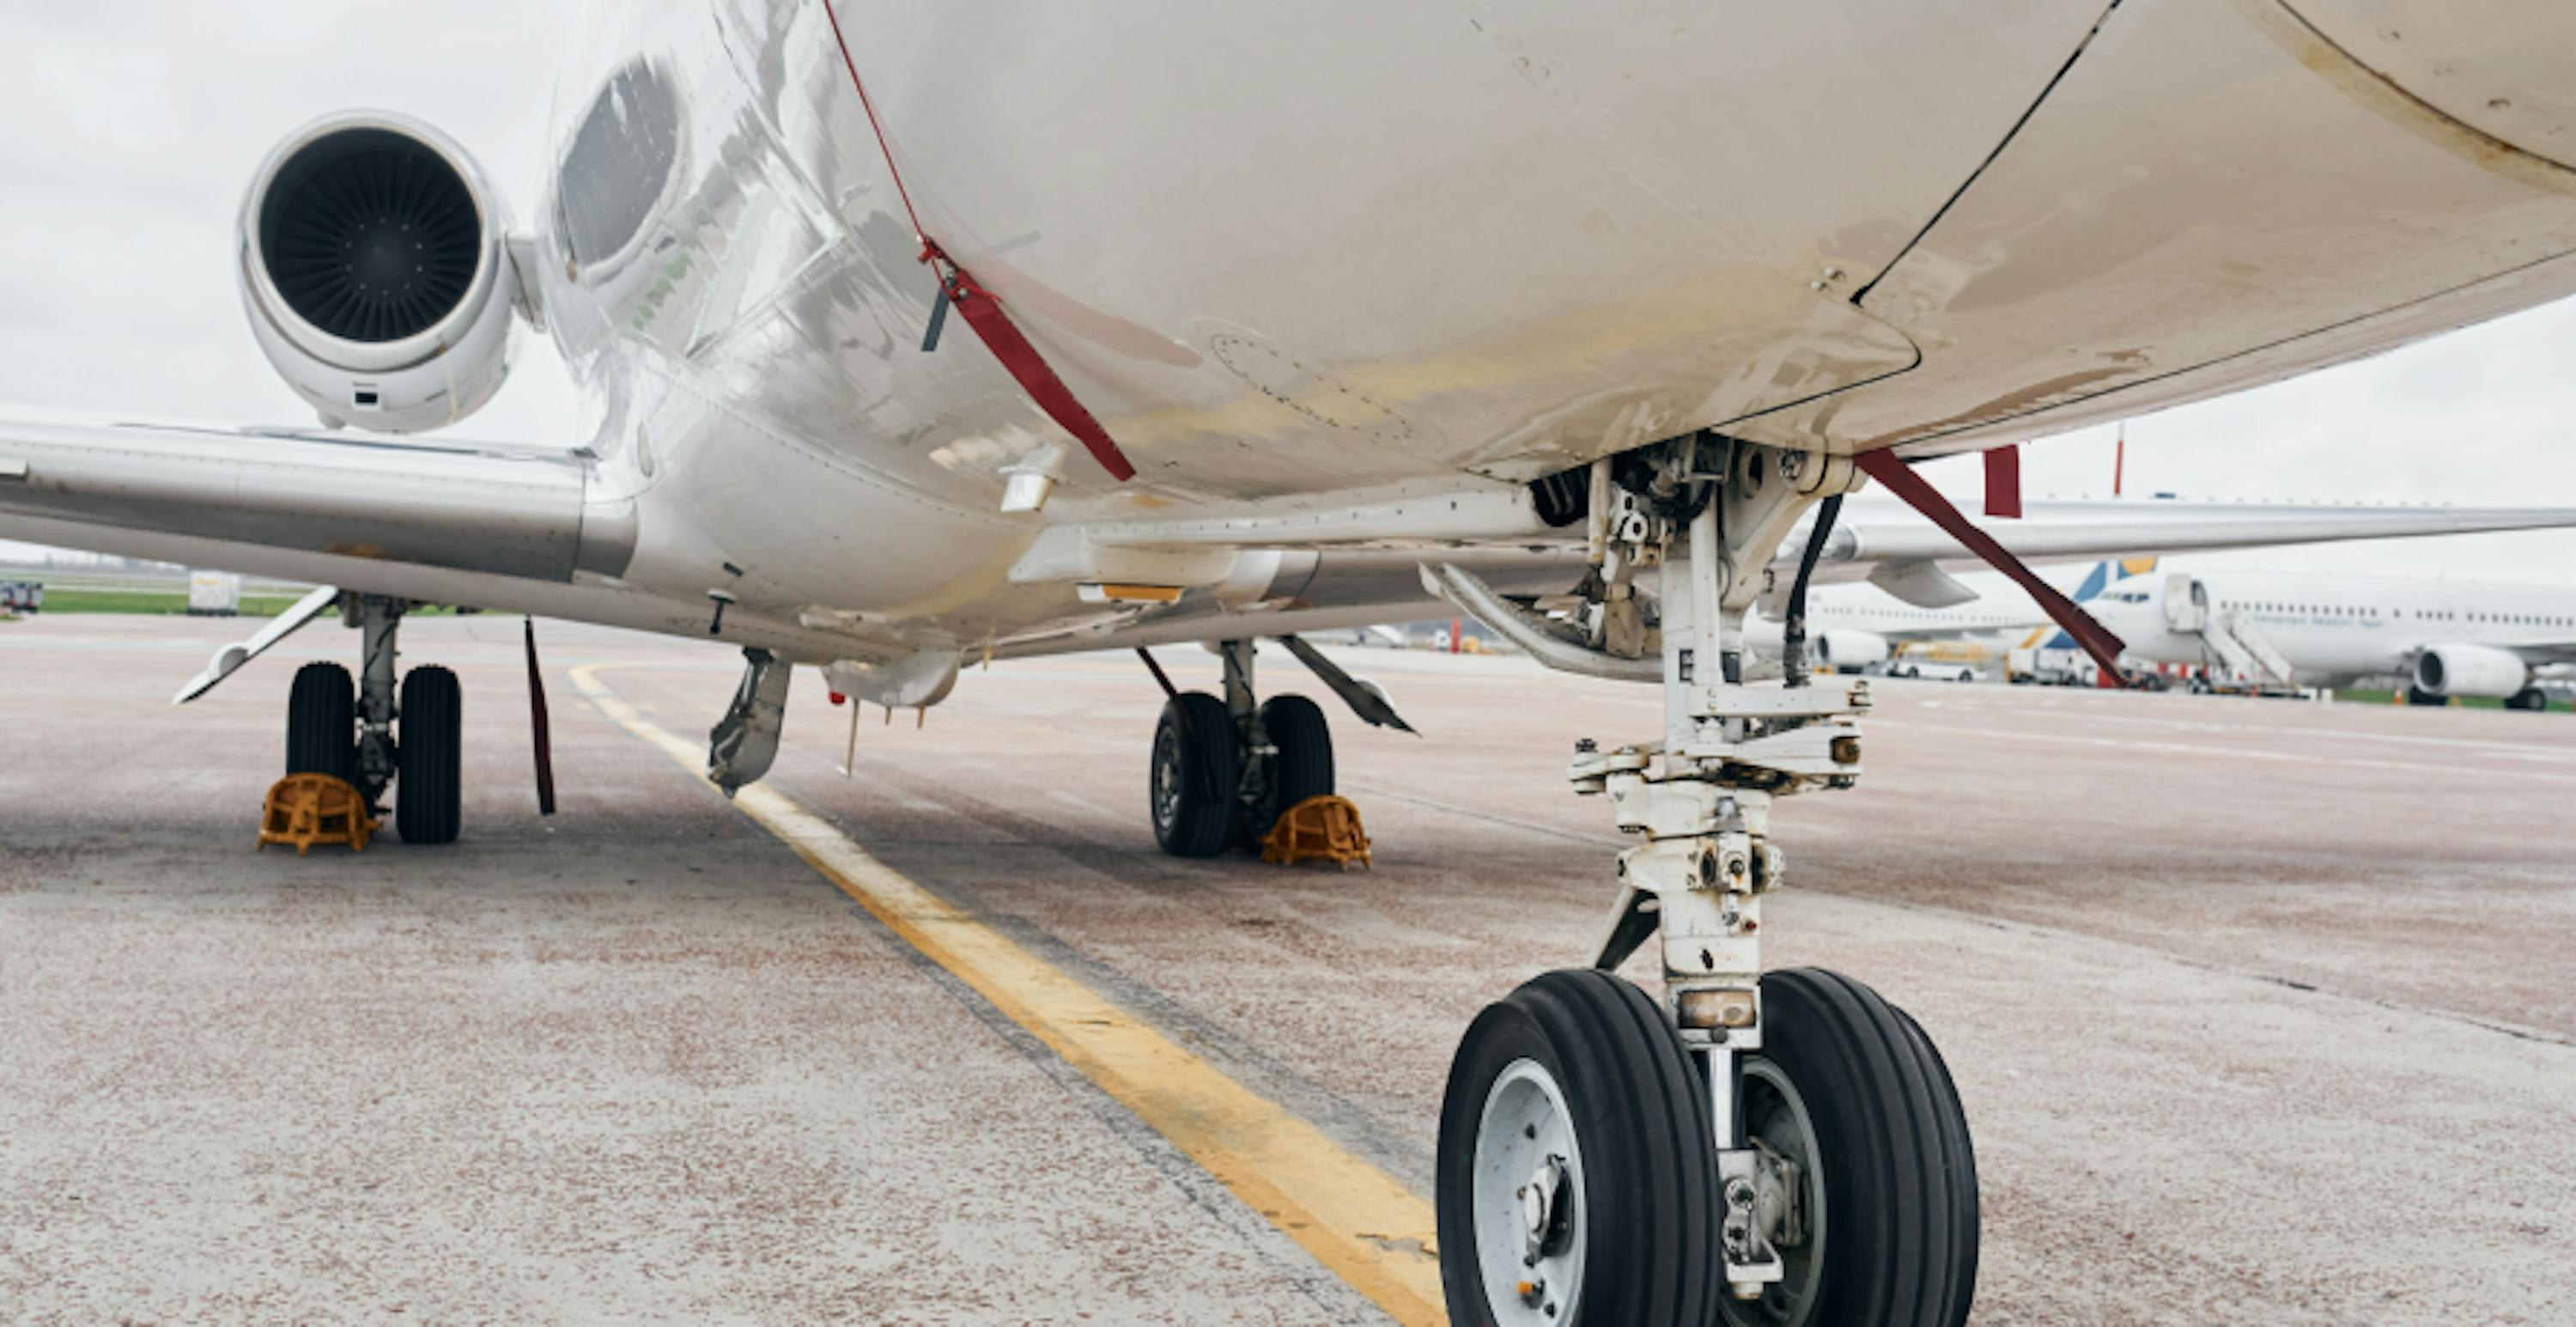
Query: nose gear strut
x,y
1680,552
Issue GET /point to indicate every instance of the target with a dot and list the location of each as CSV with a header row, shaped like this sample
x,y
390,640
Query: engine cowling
x,y
1845,649
2471,670
376,269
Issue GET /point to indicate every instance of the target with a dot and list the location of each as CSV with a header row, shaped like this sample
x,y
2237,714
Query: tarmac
x,y
2262,1011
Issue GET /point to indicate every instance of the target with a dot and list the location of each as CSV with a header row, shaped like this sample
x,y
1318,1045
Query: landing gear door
x,y
2186,603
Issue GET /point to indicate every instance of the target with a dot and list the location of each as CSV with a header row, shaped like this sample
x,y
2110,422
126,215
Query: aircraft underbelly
x,y
1388,244
1368,243
2218,195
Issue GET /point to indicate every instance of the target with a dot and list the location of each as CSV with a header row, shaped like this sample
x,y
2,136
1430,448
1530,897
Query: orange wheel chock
x,y
306,809
1318,829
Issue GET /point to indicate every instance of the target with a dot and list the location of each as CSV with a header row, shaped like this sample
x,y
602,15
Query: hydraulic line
x,y
1793,628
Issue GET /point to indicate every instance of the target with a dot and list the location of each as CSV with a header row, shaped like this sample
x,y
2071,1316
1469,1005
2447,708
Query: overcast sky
x,y
131,129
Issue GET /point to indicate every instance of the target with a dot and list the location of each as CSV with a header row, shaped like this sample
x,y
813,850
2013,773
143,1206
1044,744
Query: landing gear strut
x,y
1224,769
347,729
1775,1148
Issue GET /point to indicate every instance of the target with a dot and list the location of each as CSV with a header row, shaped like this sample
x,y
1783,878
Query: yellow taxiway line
x,y
1361,1223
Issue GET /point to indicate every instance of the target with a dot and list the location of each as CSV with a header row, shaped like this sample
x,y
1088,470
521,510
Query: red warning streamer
x,y
1887,468
982,311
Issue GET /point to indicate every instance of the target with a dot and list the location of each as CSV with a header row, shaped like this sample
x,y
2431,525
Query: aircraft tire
x,y
1846,1077
322,723
2529,698
429,770
2419,696
1302,768
1582,1067
1190,791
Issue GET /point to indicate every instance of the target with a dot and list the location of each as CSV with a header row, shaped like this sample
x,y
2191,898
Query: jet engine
x,y
376,268
2471,670
1847,651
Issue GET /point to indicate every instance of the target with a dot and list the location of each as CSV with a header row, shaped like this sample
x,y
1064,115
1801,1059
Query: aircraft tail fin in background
x,y
2103,576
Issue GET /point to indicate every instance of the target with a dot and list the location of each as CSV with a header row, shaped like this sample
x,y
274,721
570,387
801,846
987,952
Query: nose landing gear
x,y
1762,1148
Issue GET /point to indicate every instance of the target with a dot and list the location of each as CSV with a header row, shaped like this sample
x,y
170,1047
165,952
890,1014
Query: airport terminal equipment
x,y
2232,640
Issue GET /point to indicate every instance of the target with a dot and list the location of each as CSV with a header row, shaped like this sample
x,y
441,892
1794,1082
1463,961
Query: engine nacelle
x,y
375,265
2471,670
1844,649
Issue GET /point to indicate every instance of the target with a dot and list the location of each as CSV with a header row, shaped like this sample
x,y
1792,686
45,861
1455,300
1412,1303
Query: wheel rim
x,y
1529,1209
1167,776
1775,1114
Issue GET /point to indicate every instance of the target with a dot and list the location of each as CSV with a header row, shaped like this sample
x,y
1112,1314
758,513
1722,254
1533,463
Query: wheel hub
x,y
1782,1202
1167,779
1529,1200
1545,1229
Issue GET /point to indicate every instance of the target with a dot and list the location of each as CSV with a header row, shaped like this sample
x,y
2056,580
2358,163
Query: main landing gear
x,y
1225,768
347,729
1756,1148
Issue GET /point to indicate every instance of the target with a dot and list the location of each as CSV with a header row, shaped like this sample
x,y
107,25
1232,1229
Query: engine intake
x,y
2471,670
1846,650
377,273
370,235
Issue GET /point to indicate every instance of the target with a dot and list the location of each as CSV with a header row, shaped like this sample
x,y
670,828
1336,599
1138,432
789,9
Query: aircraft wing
x,y
1324,586
442,521
1912,559
528,530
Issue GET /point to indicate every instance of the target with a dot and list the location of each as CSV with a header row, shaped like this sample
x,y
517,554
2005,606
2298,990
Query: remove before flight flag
x,y
1888,468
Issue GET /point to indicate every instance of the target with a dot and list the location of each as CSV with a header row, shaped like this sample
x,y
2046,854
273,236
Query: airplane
x,y
1856,627
2446,638
912,334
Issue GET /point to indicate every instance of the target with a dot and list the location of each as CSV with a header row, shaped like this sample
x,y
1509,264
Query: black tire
x,y
1189,791
1638,1110
1899,1220
429,773
322,723
2529,698
2419,696
1961,1159
1302,769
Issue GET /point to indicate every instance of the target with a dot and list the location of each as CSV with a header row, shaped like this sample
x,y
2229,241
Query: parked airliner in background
x,y
2445,638
1855,627
1254,325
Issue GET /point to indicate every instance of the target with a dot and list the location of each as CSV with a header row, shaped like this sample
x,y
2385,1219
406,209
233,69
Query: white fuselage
x,y
1354,281
2332,629
1385,251
1998,617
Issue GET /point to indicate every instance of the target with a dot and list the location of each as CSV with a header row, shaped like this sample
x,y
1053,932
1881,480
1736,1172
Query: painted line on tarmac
x,y
1361,1223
